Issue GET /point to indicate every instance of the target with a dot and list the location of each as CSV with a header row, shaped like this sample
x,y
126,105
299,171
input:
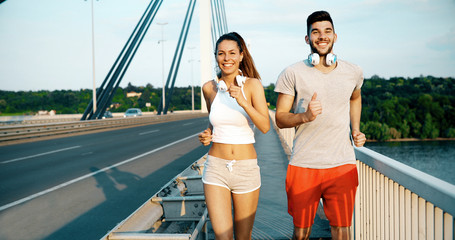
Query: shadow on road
x,y
119,204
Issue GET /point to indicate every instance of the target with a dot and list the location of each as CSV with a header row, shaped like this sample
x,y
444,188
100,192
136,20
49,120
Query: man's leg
x,y
339,189
303,192
341,233
301,233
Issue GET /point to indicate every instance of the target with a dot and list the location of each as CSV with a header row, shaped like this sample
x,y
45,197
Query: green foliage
x,y
422,107
271,96
63,101
71,102
451,133
376,130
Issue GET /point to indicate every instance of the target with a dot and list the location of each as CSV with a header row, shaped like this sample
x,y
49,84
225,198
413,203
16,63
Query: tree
x,y
376,131
428,129
271,96
450,133
145,98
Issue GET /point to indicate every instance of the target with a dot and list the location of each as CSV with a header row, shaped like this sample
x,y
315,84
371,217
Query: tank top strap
x,y
240,79
241,88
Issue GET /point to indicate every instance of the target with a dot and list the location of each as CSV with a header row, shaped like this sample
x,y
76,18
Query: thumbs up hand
x,y
314,108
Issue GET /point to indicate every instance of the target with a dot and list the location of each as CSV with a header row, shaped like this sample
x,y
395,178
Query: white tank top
x,y
231,124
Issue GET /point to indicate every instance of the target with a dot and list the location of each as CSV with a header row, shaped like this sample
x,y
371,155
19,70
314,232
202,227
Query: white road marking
x,y
142,133
20,201
186,124
37,155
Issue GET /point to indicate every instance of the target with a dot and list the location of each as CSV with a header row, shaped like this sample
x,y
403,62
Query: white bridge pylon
x,y
212,25
206,46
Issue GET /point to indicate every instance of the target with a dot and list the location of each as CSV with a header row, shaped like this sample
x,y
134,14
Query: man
x,y
324,96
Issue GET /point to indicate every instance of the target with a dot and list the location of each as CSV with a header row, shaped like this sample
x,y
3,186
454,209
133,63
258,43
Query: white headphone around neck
x,y
222,85
330,59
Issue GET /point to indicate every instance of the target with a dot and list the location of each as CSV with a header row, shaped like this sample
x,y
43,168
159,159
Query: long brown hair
x,y
247,64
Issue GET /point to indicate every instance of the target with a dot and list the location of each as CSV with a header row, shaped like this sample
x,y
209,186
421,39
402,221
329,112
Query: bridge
x,y
81,186
212,25
53,188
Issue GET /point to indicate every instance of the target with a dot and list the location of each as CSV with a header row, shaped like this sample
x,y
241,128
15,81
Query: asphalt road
x,y
80,187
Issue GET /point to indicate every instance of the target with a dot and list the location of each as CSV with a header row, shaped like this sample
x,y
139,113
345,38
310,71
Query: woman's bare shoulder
x,y
209,85
209,88
253,83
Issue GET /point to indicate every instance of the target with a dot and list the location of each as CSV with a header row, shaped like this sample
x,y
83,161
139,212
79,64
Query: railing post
x,y
448,226
429,219
402,214
357,207
438,223
387,206
422,219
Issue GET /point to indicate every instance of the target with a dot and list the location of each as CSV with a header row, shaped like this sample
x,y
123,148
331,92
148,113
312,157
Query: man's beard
x,y
315,50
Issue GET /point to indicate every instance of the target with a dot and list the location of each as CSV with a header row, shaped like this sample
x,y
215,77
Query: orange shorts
x,y
336,186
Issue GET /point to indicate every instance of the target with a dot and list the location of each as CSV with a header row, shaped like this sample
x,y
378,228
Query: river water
x,y
436,158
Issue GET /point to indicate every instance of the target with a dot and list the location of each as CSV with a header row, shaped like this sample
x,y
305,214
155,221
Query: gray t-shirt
x,y
324,142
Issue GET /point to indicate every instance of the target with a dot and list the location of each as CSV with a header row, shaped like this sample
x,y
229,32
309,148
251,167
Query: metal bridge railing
x,y
394,200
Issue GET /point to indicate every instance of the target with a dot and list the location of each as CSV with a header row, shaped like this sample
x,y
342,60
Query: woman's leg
x,y
245,206
218,201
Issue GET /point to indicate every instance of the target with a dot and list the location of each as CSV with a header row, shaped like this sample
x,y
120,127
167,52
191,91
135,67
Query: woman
x,y
236,103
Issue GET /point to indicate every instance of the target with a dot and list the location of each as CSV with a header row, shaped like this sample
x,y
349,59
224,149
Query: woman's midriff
x,y
233,151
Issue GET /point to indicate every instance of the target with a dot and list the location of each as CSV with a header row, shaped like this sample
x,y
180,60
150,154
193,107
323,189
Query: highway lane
x,y
80,187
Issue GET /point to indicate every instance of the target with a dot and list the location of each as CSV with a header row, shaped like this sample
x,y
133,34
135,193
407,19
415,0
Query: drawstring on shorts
x,y
229,165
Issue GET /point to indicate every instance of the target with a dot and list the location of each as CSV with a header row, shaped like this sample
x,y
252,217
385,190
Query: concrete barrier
x,y
27,131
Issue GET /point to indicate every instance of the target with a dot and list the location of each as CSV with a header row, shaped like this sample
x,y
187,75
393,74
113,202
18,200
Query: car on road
x,y
107,114
133,112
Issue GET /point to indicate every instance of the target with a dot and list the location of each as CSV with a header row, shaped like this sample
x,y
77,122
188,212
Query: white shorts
x,y
238,176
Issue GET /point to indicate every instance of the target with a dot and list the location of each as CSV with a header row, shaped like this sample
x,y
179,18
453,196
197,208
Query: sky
x,y
47,44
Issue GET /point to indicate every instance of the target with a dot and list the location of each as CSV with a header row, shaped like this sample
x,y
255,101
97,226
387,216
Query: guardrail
x,y
19,132
38,119
395,201
176,211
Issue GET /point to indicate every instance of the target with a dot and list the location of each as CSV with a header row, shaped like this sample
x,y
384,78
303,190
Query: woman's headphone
x,y
330,59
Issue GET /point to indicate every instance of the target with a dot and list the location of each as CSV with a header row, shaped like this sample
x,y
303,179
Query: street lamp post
x,y
192,80
93,60
162,58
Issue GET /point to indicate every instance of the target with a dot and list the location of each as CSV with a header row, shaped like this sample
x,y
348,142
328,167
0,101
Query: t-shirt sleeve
x,y
286,82
359,78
